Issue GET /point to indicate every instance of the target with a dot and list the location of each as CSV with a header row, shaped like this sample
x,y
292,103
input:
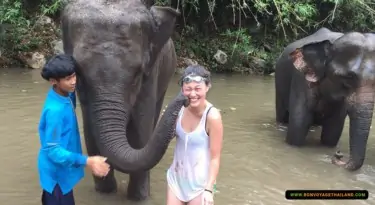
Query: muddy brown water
x,y
257,166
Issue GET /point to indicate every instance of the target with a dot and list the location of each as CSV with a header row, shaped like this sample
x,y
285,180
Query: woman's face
x,y
195,89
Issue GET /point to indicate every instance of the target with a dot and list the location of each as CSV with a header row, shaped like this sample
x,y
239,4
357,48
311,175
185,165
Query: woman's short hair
x,y
197,70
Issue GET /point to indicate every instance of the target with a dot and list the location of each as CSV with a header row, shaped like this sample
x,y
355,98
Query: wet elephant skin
x,y
126,60
320,80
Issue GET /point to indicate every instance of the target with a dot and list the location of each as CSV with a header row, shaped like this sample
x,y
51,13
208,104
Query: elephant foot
x,y
296,137
294,142
106,185
328,142
330,136
350,165
282,118
139,196
139,186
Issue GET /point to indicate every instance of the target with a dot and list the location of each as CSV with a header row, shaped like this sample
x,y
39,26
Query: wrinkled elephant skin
x,y
126,61
320,80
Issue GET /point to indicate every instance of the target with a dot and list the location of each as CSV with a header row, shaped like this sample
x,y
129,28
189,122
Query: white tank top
x,y
188,175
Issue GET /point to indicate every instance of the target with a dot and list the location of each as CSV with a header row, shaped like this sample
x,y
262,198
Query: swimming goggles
x,y
192,77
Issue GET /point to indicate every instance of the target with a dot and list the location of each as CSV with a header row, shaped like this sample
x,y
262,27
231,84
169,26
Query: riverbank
x,y
250,132
226,37
232,52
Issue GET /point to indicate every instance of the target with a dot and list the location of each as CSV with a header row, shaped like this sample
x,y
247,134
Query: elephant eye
x,y
345,85
349,76
349,80
137,76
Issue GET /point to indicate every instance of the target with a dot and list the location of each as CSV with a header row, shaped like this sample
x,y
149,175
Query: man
x,y
60,160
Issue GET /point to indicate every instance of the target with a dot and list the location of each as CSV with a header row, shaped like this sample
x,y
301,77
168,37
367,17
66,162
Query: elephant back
x,y
320,35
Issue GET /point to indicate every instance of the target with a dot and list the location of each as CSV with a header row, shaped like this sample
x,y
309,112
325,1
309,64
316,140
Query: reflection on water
x,y
257,166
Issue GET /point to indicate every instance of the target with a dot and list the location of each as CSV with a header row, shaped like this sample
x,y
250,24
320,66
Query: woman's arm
x,y
215,133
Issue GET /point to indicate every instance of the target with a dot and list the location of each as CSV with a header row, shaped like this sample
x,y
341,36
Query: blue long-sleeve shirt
x,y
60,159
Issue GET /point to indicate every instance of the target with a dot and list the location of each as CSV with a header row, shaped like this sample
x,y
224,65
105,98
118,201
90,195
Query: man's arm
x,y
54,149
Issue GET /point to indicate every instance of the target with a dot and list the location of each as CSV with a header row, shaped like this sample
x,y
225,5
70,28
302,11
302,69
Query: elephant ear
x,y
310,59
165,19
297,58
148,3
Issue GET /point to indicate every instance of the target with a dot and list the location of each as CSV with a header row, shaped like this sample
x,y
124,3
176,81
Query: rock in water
x,y
37,61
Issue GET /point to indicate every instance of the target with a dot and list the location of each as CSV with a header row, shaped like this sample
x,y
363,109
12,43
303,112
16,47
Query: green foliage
x,y
20,31
261,28
248,31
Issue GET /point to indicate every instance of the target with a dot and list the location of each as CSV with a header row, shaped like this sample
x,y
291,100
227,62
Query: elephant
x,y
320,80
126,60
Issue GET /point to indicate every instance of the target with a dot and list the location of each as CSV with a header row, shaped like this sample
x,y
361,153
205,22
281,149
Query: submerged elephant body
x,y
291,87
320,80
126,60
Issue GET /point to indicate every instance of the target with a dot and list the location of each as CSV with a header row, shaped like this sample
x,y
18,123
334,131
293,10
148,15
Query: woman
x,y
199,133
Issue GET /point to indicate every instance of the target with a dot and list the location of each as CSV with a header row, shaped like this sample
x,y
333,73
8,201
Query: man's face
x,y
67,84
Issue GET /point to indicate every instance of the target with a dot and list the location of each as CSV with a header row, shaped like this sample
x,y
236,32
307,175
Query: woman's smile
x,y
194,99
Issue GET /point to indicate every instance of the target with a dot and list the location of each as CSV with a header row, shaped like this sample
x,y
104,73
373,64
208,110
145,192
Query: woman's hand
x,y
207,198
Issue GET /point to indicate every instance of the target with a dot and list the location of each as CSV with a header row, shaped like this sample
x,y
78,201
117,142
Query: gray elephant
x,y
322,78
126,60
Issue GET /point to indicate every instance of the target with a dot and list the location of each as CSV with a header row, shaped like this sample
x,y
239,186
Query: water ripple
x,y
257,166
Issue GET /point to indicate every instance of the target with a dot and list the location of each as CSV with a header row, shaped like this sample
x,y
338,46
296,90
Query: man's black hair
x,y
197,70
59,66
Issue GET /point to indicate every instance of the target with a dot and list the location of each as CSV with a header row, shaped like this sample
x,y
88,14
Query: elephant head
x,y
116,44
317,62
344,68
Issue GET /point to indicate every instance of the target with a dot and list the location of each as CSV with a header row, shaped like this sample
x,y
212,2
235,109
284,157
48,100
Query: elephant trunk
x,y
111,123
360,112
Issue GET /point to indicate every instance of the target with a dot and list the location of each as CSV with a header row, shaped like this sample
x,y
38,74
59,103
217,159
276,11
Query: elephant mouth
x,y
311,76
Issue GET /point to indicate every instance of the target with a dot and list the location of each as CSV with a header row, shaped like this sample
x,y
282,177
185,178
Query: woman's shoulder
x,y
214,122
213,113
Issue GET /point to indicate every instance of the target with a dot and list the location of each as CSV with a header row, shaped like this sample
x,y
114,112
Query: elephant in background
x,y
290,81
320,80
126,60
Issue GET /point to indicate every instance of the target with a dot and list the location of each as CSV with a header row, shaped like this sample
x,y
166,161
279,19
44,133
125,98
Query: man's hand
x,y
98,165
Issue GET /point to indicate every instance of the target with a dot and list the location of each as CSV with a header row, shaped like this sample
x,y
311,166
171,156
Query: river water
x,y
257,166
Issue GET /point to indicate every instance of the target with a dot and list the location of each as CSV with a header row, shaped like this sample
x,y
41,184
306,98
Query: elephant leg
x,y
300,117
158,107
281,103
139,186
332,127
139,182
107,184
282,115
